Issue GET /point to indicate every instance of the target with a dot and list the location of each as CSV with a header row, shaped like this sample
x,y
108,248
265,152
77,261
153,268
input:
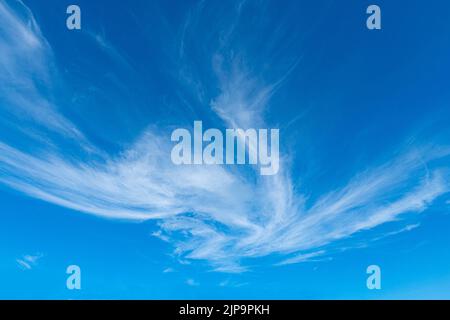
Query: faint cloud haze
x,y
27,262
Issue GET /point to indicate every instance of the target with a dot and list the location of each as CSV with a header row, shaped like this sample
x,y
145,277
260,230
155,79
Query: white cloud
x,y
26,68
302,257
407,228
231,283
192,283
216,213
23,264
27,262
158,234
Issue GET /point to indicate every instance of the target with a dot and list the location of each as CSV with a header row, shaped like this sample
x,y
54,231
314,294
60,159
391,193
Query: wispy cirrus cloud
x,y
231,283
220,214
27,262
192,283
27,75
303,257
168,270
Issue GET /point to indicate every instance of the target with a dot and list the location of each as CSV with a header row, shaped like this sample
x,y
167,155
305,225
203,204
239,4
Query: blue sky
x,y
85,170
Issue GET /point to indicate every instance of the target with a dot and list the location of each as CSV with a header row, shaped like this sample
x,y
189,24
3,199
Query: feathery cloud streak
x,y
216,213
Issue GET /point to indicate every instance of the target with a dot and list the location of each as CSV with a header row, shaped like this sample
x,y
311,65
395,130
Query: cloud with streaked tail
x,y
220,214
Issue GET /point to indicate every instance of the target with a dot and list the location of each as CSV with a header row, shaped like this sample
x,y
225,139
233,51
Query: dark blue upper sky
x,y
85,170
